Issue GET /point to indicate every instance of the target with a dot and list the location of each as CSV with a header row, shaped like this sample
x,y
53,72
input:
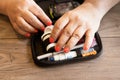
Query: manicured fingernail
x,y
49,23
35,31
42,29
27,35
51,40
57,48
66,49
85,48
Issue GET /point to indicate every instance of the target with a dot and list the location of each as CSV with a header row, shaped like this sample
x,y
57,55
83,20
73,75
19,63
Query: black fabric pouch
x,y
38,47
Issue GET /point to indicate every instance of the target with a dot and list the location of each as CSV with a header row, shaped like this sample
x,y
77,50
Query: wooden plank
x,y
18,49
4,58
110,25
106,67
6,30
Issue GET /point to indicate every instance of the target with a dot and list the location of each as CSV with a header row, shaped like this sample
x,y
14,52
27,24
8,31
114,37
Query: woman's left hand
x,y
69,29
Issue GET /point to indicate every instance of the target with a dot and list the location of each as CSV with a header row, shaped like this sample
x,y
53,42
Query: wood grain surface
x,y
16,60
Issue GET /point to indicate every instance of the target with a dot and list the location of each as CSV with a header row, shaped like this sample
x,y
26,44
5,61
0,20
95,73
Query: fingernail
x,y
42,29
51,40
27,35
85,48
35,31
66,49
49,23
57,48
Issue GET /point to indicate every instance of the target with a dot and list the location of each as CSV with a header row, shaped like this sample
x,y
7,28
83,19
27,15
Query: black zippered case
x,y
38,48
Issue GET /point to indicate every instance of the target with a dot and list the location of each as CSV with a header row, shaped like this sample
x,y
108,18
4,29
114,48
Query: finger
x,y
33,20
89,39
36,10
77,35
66,34
25,26
22,32
58,27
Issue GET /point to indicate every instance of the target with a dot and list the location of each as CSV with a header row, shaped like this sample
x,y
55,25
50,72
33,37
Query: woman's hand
x,y
26,16
69,29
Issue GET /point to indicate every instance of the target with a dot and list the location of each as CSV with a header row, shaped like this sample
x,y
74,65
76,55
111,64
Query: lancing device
x,y
54,53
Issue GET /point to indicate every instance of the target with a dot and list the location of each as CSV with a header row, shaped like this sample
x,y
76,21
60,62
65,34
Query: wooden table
x,y
16,60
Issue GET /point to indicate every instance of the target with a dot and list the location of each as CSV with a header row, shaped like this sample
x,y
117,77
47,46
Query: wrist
x,y
96,10
102,7
91,10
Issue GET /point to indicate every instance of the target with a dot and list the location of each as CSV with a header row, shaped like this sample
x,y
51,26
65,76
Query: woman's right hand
x,y
26,16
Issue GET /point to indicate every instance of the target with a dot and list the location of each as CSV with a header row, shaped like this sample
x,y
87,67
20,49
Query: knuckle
x,y
90,35
60,43
84,28
17,20
53,35
78,19
31,20
67,32
37,13
18,30
77,36
27,29
72,14
57,27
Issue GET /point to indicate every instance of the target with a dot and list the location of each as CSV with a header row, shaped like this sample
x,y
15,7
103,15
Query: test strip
x,y
50,46
46,37
47,30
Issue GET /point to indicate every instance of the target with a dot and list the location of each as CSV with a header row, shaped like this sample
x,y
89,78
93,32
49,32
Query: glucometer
x,y
43,52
